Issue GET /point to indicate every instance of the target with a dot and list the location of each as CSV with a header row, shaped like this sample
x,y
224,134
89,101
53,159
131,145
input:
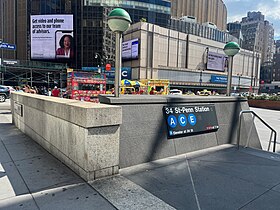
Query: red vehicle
x,y
85,86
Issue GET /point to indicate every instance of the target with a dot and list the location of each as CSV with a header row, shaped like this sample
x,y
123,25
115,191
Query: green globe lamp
x,y
230,49
119,21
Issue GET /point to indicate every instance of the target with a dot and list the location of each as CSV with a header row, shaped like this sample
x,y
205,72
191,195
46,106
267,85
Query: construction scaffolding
x,y
33,73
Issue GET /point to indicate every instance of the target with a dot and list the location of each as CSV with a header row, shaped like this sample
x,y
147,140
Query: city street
x,y
6,105
139,105
31,178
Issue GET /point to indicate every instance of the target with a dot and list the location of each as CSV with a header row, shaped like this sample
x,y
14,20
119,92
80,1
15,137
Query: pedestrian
x,y
152,92
55,92
49,92
18,89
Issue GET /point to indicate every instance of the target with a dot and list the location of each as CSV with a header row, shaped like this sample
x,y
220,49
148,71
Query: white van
x,y
175,92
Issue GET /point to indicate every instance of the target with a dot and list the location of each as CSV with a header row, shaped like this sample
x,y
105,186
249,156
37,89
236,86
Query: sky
x,y
269,8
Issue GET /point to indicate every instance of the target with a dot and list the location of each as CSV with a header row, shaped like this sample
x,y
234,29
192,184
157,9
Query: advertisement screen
x,y
130,49
215,61
52,37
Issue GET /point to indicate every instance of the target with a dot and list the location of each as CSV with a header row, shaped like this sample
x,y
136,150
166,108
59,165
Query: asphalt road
x,y
6,105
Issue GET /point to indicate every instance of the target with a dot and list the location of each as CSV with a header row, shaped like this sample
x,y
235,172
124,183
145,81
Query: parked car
x,y
4,93
205,92
234,94
128,90
9,87
190,93
175,92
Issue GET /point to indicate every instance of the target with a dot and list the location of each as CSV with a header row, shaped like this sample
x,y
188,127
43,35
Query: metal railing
x,y
249,134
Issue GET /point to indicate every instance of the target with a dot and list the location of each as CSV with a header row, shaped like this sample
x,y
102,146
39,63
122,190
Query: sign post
x,y
7,46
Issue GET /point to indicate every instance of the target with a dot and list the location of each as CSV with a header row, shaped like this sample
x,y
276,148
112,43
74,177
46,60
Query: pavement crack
x,y
252,200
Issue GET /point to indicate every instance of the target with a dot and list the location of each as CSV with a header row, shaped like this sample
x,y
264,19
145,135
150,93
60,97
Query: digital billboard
x,y
215,61
130,50
52,37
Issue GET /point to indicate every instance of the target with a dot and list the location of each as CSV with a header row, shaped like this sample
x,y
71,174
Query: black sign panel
x,y
190,119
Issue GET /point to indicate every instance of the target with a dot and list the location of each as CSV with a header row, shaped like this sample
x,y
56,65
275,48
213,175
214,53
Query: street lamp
x,y
101,61
200,78
230,49
98,55
239,76
118,21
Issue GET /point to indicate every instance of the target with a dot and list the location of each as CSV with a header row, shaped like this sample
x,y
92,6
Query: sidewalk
x,y
272,117
31,178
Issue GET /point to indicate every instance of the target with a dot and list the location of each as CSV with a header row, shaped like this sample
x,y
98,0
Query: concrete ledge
x,y
84,114
165,99
83,135
264,104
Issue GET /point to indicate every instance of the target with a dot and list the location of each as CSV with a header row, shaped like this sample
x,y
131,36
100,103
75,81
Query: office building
x,y
189,61
258,35
204,11
205,31
276,63
84,20
234,29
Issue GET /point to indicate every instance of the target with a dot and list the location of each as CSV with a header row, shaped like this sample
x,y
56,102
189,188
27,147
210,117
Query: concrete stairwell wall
x,y
95,140
143,134
85,136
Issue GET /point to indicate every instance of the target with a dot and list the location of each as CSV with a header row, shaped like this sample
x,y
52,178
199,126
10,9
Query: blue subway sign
x,y
7,46
190,120
218,79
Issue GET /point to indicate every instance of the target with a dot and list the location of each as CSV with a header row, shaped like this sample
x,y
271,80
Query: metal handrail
x,y
255,115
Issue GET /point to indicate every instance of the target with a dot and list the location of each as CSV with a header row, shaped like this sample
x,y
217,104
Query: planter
x,y
266,104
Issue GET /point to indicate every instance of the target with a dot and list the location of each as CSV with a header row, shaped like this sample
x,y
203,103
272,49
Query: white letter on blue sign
x,y
172,122
192,119
182,120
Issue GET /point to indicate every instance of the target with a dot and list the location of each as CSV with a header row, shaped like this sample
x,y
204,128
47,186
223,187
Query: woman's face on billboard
x,y
67,42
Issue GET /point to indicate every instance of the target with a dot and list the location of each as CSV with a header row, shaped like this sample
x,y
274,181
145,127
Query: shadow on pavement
x,y
31,178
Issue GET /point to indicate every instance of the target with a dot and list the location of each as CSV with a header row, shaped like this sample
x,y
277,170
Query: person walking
x,y
55,92
152,92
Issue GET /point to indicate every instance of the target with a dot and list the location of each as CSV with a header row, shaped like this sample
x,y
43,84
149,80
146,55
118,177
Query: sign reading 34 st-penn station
x,y
190,119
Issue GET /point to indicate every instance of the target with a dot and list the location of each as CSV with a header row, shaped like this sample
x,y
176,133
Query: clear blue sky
x,y
269,8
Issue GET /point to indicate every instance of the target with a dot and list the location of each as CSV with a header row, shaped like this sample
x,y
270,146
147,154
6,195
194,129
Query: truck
x,y
161,86
85,86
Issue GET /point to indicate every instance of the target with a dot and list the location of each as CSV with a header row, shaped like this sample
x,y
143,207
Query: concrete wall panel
x,y
79,134
143,134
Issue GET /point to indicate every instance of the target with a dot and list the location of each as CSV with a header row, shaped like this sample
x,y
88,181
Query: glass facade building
x,y
201,31
94,42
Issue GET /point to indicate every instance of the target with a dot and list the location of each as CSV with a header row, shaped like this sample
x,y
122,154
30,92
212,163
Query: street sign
x,y
7,46
190,119
218,79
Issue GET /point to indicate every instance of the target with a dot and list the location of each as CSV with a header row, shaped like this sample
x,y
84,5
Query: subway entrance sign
x,y
190,119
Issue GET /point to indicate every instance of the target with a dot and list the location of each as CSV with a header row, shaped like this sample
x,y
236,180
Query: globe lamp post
x,y
230,49
118,21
